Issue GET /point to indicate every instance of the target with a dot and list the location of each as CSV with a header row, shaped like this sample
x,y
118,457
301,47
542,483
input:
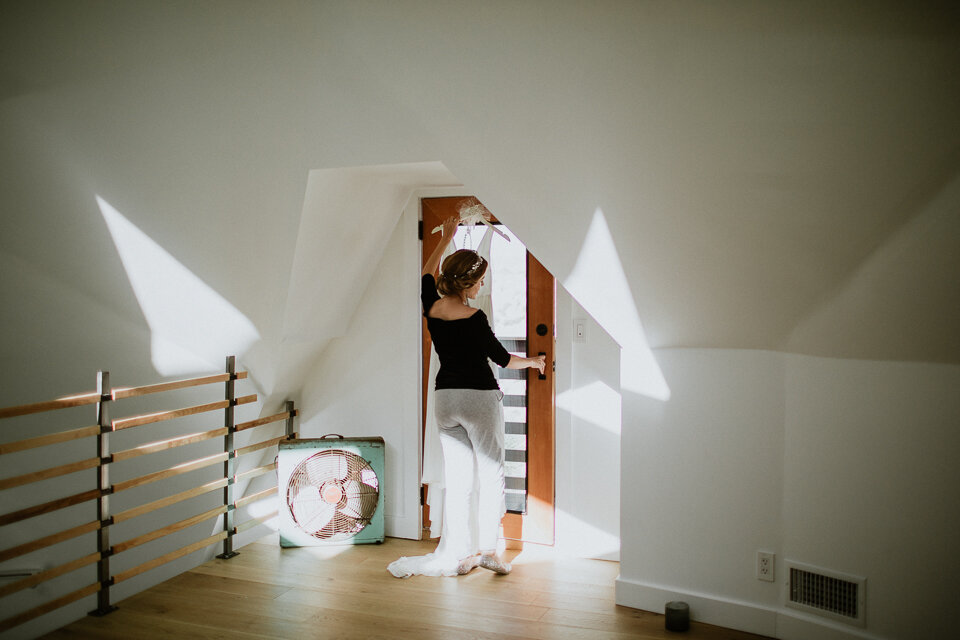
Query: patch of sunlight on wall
x,y
596,402
600,285
193,328
262,508
584,540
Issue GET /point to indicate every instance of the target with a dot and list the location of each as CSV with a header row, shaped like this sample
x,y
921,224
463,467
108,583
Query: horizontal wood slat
x,y
179,469
189,493
49,574
163,502
277,417
173,555
251,523
260,445
167,530
36,612
130,392
48,541
253,473
253,497
92,397
47,507
163,445
52,472
161,416
79,400
53,438
246,399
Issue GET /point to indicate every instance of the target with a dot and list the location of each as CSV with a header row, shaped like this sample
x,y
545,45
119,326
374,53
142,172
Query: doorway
x,y
524,320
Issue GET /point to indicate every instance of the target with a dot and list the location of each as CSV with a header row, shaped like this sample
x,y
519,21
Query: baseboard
x,y
741,616
703,608
797,626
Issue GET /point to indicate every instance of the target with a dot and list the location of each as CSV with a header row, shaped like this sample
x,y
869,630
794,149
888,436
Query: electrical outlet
x,y
765,564
579,330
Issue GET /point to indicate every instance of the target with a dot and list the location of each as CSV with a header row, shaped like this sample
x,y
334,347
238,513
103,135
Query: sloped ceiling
x,y
348,207
774,175
355,208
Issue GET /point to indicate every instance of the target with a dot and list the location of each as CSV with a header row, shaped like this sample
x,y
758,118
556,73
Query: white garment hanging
x,y
443,561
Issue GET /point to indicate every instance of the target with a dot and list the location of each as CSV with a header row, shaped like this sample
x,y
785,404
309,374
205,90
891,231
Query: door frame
x,y
538,525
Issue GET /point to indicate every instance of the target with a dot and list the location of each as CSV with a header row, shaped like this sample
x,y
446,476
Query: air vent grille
x,y
826,593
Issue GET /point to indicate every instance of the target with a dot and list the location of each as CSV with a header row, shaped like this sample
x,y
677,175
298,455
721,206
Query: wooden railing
x,y
105,397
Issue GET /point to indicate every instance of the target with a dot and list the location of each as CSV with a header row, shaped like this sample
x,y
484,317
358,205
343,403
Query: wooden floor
x,y
346,592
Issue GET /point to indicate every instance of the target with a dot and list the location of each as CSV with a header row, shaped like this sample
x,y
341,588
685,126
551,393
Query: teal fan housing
x,y
330,491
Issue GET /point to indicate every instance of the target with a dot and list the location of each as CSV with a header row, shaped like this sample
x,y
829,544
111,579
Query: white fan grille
x,y
333,494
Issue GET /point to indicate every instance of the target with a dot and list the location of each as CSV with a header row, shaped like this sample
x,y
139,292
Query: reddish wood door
x,y
532,518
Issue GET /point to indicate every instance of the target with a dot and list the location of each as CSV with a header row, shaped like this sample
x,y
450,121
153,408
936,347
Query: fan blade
x,y
343,465
361,503
304,497
354,502
364,476
369,477
322,466
316,519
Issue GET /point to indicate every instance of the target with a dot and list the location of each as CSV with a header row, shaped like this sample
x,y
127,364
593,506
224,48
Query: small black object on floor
x,y
677,616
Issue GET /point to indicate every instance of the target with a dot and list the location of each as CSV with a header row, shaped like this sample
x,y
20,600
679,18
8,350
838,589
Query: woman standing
x,y
468,409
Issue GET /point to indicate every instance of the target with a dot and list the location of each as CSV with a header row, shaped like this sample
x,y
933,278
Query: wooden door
x,y
534,521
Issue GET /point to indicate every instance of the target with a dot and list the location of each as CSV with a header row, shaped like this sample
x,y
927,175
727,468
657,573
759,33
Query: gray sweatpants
x,y
471,435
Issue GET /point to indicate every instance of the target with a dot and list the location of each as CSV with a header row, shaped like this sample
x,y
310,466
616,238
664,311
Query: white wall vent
x,y
826,593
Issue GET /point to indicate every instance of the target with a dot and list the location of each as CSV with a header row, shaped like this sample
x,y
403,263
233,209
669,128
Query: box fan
x,y
330,491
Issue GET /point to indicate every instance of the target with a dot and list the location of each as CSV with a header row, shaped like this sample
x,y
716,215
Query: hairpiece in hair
x,y
476,266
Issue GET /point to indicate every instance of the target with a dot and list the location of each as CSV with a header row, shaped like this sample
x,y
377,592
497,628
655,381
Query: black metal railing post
x,y
288,407
103,501
230,465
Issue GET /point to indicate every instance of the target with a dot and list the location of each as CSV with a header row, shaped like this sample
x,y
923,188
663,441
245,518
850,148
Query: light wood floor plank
x,y
346,593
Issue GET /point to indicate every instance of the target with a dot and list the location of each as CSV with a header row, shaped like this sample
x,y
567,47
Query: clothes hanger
x,y
473,215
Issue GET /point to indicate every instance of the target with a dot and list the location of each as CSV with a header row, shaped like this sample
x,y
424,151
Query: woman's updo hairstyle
x,y
461,270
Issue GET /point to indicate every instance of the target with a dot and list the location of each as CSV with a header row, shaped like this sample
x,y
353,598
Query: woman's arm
x,y
433,262
516,362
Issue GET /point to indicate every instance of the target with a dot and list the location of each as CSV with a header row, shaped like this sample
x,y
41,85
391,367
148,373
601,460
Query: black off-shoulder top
x,y
463,345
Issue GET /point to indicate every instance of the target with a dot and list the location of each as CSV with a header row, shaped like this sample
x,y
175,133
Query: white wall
x,y
587,436
702,481
870,480
367,383
845,465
